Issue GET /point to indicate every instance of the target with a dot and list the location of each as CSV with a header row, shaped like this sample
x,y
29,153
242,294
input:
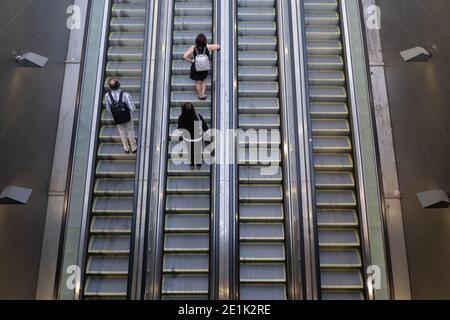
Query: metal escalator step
x,y
321,17
126,38
256,14
188,204
123,68
333,162
189,242
188,185
106,287
110,245
270,138
176,169
193,23
330,127
332,144
261,157
193,8
257,3
185,284
259,121
258,89
128,24
334,180
260,193
182,83
123,9
321,5
261,232
113,151
257,73
178,98
324,47
261,212
256,175
257,43
110,134
340,259
326,78
187,37
341,295
109,168
108,265
323,32
114,187
259,105
258,58
187,223
325,62
342,279
328,94
111,225
257,29
186,263
338,238
337,218
262,292
125,54
329,110
177,55
122,205
262,273
262,252
336,199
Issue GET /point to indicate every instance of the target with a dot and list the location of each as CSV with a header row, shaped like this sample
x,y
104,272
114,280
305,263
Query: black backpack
x,y
119,109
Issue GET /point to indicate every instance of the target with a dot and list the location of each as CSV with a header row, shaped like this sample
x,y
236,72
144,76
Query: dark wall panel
x,y
29,111
419,95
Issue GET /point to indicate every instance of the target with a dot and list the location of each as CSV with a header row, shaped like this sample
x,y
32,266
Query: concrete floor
x,y
30,101
419,95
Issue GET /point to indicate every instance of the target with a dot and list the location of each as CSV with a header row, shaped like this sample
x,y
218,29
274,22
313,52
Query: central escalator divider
x,y
262,241
186,255
110,230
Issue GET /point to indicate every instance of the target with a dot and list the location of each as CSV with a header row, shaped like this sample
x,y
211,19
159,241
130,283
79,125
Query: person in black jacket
x,y
193,127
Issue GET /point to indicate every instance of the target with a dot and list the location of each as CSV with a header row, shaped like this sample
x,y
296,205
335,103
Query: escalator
x,y
337,218
262,248
111,217
187,214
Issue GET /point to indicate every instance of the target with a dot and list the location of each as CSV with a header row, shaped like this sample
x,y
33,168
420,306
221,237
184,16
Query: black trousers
x,y
195,152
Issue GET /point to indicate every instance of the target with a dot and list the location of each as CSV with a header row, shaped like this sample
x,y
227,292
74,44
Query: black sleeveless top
x,y
199,76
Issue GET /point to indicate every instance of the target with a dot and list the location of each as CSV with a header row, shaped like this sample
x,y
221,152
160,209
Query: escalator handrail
x,y
357,151
140,212
93,145
311,241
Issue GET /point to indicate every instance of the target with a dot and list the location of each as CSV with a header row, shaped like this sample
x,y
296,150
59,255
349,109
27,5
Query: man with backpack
x,y
120,106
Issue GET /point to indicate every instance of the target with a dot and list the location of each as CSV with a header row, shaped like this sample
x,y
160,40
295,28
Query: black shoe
x,y
126,151
199,166
134,152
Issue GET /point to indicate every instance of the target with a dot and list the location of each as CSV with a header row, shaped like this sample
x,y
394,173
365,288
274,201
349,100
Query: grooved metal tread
x,y
185,269
336,189
261,196
110,230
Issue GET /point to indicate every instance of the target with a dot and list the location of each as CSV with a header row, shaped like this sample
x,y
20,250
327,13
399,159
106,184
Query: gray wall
x,y
419,95
29,110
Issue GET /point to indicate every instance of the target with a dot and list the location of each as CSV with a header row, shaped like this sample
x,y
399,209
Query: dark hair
x,y
114,84
188,116
201,40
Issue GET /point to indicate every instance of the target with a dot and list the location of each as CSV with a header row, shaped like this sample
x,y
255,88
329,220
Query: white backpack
x,y
202,62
